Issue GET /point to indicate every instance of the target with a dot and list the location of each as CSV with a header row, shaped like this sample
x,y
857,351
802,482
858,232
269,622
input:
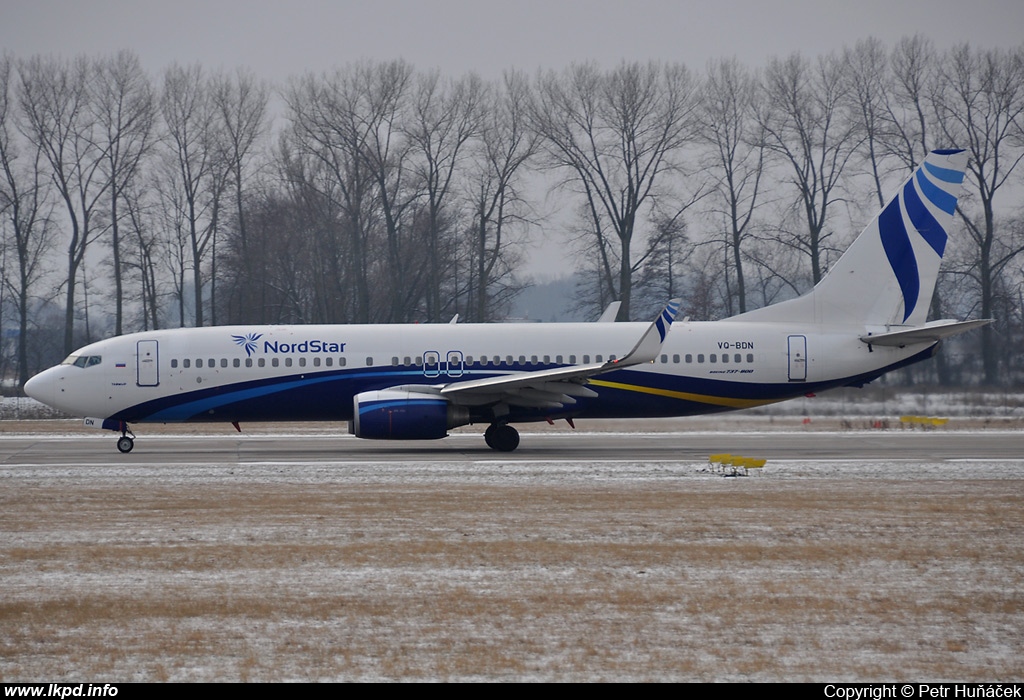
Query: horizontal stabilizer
x,y
928,333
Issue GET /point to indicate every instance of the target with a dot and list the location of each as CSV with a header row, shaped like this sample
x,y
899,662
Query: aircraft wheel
x,y
504,438
125,444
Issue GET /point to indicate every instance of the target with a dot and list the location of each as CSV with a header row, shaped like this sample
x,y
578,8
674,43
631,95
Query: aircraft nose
x,y
41,387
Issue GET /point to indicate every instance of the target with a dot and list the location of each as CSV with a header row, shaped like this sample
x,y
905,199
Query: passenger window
x,y
262,362
713,358
558,359
738,358
186,363
274,361
224,362
236,362
598,358
675,359
725,358
572,359
341,362
750,357
174,363
689,358
199,363
664,359
287,362
700,358
248,362
394,361
302,362
329,361
369,362
211,363
316,361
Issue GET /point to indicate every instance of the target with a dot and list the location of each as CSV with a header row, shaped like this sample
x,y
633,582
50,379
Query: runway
x,y
98,449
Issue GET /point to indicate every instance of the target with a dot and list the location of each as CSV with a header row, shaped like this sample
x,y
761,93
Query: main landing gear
x,y
126,442
501,437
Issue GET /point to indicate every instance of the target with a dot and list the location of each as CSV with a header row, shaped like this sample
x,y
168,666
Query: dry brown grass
x,y
697,580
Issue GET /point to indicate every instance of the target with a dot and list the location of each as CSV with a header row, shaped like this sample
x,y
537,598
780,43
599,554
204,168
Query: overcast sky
x,y
278,39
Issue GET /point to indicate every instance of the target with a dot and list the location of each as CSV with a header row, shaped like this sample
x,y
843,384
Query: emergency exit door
x,y
798,358
148,372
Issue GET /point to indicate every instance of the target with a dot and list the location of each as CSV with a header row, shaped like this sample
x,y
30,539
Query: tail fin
x,y
887,276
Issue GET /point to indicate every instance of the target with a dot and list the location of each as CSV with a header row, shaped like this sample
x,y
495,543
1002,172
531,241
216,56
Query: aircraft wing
x,y
562,385
928,333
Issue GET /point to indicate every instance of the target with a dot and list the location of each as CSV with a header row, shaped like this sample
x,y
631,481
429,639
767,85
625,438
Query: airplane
x,y
866,317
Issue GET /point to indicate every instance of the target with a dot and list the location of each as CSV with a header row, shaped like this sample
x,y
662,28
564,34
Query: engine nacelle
x,y
397,414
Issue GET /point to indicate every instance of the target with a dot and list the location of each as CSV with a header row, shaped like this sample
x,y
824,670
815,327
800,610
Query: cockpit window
x,y
83,360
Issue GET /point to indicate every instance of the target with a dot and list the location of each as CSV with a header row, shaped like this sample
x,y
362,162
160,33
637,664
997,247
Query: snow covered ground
x,y
486,568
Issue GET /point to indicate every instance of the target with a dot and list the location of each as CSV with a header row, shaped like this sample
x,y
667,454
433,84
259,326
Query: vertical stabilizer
x,y
887,276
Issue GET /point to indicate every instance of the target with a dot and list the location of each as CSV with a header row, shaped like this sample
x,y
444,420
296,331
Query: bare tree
x,y
241,103
333,123
736,153
25,212
444,116
170,219
979,106
617,135
909,114
189,115
123,109
385,87
144,247
804,125
865,70
666,271
505,146
54,98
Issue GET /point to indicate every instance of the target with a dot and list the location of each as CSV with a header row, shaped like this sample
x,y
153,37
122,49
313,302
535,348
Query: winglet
x,y
563,382
610,313
649,345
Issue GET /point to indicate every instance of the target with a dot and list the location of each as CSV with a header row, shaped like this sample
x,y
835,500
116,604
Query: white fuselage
x,y
247,373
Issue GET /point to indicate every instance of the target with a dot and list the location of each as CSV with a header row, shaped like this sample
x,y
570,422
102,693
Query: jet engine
x,y
399,414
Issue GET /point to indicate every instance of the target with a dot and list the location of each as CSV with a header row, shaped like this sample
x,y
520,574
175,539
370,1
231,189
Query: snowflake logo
x,y
248,342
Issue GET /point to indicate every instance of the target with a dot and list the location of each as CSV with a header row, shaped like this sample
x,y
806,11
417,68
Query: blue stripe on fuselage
x,y
328,395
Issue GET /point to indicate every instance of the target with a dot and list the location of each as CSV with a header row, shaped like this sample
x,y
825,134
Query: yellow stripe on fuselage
x,y
686,396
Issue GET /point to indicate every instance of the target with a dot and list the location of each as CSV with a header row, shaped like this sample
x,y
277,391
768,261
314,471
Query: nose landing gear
x,y
126,442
